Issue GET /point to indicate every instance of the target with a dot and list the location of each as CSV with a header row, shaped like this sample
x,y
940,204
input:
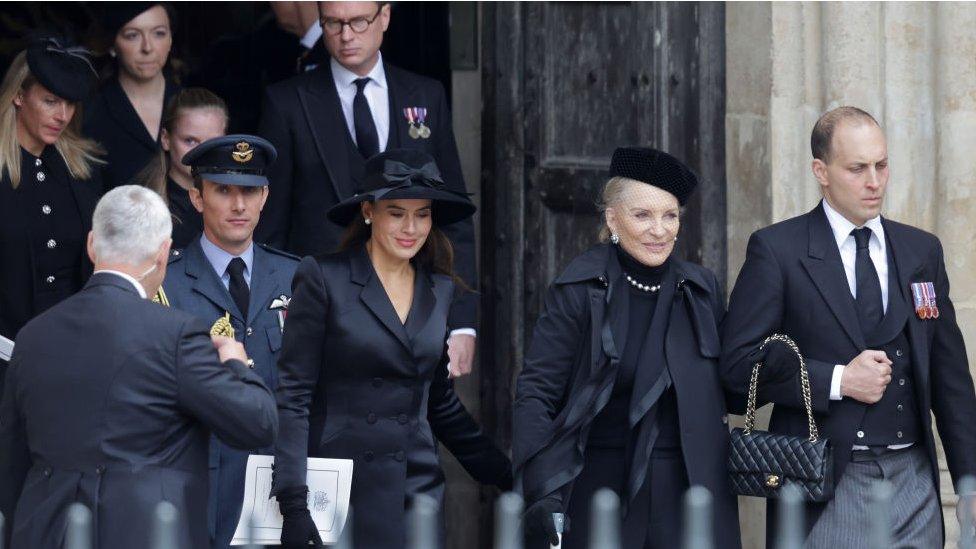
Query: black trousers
x,y
653,519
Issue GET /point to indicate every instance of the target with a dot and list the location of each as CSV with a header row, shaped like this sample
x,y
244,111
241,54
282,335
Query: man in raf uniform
x,y
223,274
326,122
867,301
110,399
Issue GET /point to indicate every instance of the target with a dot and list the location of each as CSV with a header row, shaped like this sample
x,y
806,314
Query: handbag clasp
x,y
772,481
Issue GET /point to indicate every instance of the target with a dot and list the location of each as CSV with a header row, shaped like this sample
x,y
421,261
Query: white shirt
x,y
312,35
377,96
133,281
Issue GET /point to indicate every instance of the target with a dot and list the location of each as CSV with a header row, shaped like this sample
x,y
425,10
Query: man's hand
x,y
460,354
866,377
228,348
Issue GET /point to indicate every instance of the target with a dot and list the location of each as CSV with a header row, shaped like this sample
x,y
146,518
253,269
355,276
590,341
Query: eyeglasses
x,y
357,24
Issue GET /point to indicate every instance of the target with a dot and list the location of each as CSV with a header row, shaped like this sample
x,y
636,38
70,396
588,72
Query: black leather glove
x,y
537,520
297,527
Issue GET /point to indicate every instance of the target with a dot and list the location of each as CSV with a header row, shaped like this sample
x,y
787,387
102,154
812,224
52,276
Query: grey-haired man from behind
x,y
110,398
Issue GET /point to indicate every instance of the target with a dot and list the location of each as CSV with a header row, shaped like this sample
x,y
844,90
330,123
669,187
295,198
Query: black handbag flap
x,y
761,452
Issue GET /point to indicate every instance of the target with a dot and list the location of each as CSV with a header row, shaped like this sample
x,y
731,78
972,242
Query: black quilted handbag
x,y
761,463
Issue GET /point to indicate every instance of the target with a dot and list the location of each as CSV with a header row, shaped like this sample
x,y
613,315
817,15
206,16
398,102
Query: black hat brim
x,y
236,179
447,208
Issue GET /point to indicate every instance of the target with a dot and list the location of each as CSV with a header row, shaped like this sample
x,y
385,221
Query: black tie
x,y
362,119
238,286
868,301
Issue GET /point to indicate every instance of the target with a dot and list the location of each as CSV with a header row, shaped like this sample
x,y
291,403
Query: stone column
x,y
913,66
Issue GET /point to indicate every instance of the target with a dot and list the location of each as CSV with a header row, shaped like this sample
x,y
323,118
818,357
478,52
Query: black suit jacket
x,y
793,282
302,117
356,383
112,121
110,400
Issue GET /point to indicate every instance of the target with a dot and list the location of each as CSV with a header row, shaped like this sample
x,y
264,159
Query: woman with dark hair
x,y
620,384
49,180
362,373
125,116
192,116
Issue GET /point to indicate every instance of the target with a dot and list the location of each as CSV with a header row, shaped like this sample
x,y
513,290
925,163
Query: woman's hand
x,y
297,526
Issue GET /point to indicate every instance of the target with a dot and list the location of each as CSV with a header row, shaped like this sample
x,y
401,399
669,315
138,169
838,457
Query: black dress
x,y
187,221
44,225
111,120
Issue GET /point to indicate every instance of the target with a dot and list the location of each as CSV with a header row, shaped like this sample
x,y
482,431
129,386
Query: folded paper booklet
x,y
6,349
329,483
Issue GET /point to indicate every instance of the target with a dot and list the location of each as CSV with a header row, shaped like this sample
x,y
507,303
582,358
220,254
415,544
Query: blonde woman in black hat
x,y
126,114
620,386
50,180
362,373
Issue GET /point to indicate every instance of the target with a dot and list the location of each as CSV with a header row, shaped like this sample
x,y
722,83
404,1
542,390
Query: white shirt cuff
x,y
835,383
464,331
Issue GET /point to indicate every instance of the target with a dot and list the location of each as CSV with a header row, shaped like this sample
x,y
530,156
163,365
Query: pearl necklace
x,y
642,287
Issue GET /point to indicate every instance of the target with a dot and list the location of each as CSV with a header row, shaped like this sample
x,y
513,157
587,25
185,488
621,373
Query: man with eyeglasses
x,y
327,122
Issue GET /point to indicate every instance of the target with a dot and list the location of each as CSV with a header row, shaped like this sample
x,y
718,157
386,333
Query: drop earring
x,y
615,239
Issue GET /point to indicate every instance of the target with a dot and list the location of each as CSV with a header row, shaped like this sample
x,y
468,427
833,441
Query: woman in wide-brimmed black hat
x,y
362,373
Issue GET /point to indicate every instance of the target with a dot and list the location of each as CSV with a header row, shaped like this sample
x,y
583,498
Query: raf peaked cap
x,y
241,160
656,168
61,66
405,173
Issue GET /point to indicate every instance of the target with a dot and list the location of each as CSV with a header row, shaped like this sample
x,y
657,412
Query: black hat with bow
x,y
61,66
404,174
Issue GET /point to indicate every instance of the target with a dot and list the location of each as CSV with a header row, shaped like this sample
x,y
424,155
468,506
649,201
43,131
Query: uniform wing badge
x,y
280,304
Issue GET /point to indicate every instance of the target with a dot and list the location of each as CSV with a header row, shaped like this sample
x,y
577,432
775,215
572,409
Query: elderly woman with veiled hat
x,y
49,179
620,387
362,373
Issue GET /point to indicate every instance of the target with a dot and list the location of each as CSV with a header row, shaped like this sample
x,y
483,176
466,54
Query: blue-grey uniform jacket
x,y
193,286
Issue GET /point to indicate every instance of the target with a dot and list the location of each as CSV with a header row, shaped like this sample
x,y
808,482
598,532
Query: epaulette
x,y
276,251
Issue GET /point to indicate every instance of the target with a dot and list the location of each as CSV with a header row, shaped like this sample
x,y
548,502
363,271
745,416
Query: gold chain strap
x,y
804,385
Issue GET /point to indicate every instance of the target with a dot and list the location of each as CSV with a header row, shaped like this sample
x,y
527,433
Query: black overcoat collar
x,y
374,296
120,108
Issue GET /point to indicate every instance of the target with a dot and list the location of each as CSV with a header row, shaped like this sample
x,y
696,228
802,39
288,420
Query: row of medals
x,y
419,131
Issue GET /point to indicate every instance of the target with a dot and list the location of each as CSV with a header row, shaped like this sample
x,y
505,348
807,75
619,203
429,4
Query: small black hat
x,y
405,173
656,168
61,66
241,160
116,14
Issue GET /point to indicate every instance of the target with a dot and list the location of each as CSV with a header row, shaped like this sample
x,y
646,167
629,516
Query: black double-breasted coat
x,y
20,278
356,383
571,366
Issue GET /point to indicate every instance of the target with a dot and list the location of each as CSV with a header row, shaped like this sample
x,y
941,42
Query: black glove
x,y
537,520
297,526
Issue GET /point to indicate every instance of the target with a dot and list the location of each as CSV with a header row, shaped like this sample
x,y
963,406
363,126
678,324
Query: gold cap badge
x,y
244,152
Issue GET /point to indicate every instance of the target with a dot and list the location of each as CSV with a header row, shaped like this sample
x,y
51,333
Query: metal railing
x,y
424,531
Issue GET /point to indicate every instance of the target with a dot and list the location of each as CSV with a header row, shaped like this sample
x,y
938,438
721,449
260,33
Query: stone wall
x,y
913,66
